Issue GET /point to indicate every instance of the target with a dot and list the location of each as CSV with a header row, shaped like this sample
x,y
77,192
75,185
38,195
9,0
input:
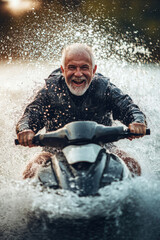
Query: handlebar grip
x,y
148,131
35,140
16,142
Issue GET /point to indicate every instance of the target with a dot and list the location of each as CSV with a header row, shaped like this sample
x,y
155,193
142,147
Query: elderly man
x,y
76,93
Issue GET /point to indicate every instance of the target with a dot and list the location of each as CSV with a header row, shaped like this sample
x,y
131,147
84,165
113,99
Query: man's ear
x,y
94,69
62,69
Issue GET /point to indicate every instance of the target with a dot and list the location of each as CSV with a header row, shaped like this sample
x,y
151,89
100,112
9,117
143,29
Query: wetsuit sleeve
x,y
35,113
123,108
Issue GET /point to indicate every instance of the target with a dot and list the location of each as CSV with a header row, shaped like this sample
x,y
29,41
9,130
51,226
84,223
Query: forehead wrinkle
x,y
77,63
83,55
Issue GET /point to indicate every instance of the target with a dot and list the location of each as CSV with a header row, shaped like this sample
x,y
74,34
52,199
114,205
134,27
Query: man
x,y
76,93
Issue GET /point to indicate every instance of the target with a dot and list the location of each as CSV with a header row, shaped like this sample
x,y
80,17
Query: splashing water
x,y
128,210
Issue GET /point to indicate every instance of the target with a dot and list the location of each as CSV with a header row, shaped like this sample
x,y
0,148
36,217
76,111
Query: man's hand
x,y
138,128
25,138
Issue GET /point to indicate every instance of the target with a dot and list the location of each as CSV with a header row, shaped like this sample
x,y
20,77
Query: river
x,y
127,210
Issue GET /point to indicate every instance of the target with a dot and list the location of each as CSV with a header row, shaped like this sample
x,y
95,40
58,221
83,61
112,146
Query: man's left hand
x,y
138,128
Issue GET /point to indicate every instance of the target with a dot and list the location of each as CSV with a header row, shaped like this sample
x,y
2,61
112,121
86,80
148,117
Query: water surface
x,y
128,210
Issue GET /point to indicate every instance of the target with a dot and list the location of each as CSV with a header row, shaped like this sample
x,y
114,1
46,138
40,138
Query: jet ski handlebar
x,y
78,133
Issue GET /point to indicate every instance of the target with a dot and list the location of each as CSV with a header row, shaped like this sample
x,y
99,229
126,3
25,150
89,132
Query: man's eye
x,y
84,68
71,67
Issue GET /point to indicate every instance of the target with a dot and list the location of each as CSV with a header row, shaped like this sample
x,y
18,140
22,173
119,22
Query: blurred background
x,y
31,29
125,37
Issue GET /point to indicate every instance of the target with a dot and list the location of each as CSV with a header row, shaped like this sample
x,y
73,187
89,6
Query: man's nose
x,y
78,72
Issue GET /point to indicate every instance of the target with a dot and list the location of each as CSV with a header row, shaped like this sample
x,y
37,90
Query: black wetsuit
x,y
54,105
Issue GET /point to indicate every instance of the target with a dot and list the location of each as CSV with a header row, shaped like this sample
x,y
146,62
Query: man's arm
x,y
127,112
33,119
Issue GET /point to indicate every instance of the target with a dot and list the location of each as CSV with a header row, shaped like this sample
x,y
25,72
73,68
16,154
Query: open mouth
x,y
78,82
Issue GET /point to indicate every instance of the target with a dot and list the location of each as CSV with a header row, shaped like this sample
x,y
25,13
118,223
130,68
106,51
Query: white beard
x,y
78,91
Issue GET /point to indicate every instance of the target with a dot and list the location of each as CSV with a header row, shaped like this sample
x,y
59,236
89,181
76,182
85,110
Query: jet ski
x,y
83,164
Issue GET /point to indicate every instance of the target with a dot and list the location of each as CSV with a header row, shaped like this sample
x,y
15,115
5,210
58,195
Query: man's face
x,y
78,72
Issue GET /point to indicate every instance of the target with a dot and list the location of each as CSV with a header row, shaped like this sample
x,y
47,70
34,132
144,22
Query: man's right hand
x,y
25,138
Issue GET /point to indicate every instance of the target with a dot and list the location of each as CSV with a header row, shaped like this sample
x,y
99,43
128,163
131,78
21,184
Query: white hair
x,y
78,47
